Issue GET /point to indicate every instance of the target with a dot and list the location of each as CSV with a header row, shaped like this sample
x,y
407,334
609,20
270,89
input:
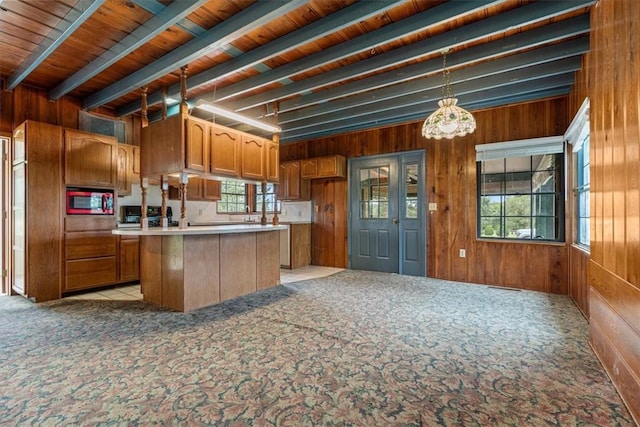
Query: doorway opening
x,y
387,215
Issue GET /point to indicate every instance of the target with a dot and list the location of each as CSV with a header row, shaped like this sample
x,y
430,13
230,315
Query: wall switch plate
x,y
463,253
433,206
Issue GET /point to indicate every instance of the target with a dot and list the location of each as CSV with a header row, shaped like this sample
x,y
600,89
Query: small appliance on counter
x,y
89,201
132,214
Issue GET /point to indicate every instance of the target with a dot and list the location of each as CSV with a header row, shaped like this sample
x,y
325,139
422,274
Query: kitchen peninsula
x,y
190,268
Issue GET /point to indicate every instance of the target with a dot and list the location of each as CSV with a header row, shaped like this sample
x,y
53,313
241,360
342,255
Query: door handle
x,y
394,220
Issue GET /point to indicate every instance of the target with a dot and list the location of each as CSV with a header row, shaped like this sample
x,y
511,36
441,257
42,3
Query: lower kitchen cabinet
x,y
90,260
95,257
295,246
129,258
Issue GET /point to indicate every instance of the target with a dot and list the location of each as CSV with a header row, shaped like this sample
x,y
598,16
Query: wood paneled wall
x,y
451,183
27,103
614,266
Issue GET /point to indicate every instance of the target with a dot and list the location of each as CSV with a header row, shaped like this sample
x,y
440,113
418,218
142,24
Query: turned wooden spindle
x,y
184,179
144,221
143,110
263,219
164,186
184,108
144,182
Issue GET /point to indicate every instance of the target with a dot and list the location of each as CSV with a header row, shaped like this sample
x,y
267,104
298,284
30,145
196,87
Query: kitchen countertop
x,y
195,229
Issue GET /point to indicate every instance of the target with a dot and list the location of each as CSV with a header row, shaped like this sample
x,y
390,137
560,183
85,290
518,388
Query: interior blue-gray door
x,y
386,218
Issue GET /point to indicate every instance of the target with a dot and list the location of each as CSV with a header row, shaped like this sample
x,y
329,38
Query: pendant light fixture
x,y
448,120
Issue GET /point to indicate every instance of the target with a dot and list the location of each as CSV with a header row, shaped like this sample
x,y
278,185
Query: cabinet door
x,y
309,168
129,258
194,189
136,163
197,145
210,189
272,157
225,152
90,160
125,169
252,158
281,188
294,181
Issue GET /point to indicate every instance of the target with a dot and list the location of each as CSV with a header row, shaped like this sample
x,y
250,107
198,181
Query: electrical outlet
x,y
463,253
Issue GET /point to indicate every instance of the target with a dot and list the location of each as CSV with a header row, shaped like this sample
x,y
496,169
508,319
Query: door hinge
x,y
5,273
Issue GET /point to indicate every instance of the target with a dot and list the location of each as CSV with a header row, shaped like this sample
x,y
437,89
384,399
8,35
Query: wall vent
x,y
102,125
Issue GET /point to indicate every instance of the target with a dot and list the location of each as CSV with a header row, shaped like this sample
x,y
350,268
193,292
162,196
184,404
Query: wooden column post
x,y
184,179
144,181
263,219
184,108
164,186
275,220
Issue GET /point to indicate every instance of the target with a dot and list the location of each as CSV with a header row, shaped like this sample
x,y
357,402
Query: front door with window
x,y
386,217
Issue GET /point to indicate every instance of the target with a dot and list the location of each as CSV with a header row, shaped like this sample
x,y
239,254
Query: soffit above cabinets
x,y
317,67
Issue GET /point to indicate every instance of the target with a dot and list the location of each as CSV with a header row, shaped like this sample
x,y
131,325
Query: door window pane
x,y
411,191
374,192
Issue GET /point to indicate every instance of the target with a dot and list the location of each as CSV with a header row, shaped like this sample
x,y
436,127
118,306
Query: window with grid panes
x,y
269,197
233,197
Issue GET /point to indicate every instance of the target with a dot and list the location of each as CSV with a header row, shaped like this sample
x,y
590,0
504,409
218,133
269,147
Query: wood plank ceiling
x,y
325,66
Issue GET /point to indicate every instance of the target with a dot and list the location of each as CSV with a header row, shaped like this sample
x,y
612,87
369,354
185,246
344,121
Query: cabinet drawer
x,y
89,245
88,273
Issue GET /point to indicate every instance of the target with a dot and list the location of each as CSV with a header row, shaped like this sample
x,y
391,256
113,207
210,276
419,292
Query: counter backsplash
x,y
204,212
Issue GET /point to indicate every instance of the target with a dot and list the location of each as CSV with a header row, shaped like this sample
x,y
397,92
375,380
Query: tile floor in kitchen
x,y
132,292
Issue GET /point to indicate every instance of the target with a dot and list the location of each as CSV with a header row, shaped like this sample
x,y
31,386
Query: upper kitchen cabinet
x,y
197,145
272,158
324,167
36,207
225,152
252,158
126,169
90,159
187,144
292,186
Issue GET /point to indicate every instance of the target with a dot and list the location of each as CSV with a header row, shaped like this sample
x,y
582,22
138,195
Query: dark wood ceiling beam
x,y
432,91
526,15
316,30
74,19
489,102
247,20
386,85
167,17
502,95
185,24
549,57
573,27
397,30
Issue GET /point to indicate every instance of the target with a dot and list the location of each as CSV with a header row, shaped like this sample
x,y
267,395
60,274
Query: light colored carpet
x,y
354,348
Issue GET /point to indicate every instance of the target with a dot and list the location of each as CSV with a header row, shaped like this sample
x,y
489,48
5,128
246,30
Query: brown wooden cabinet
x,y
36,209
225,152
90,159
252,158
272,157
90,252
295,246
90,260
128,258
324,167
198,189
124,169
188,144
197,145
292,186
